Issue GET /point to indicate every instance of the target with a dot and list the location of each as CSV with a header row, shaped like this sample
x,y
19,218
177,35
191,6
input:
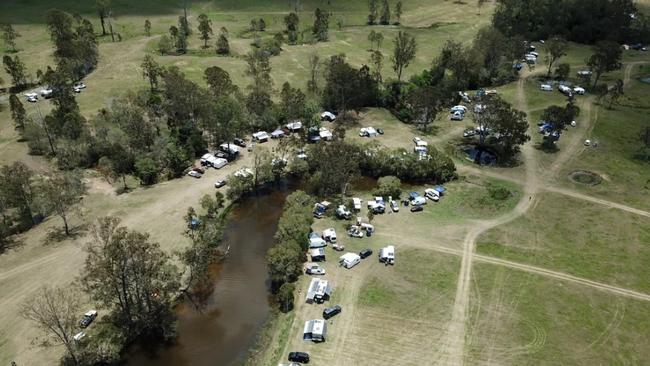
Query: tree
x,y
556,47
375,38
508,124
104,11
285,296
321,25
606,58
644,138
205,27
615,93
147,27
9,36
404,53
16,68
184,25
181,42
372,11
425,103
562,71
219,81
348,88
259,69
292,102
152,71
60,193
128,274
314,68
164,45
292,23
479,5
17,189
377,61
284,262
385,13
147,170
336,167
262,166
398,12
75,44
18,113
173,32
56,311
223,48
388,186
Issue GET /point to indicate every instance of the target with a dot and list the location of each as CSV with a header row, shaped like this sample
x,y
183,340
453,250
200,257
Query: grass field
x,y
524,319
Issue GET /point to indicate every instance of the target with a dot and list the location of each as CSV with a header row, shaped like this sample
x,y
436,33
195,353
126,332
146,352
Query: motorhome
x,y
387,255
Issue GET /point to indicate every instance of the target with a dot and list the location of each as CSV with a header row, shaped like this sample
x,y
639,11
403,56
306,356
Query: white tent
x,y
294,126
368,132
261,136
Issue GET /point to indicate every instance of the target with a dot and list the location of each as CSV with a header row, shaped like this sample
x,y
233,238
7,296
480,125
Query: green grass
x,y
579,238
524,319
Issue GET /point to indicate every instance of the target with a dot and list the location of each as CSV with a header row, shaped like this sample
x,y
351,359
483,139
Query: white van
x,y
387,255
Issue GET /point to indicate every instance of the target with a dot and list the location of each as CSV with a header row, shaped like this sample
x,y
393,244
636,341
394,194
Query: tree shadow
x,y
546,148
57,234
10,244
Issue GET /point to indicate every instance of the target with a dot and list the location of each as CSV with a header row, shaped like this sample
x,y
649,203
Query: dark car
x,y
88,318
301,357
365,253
330,312
240,142
417,208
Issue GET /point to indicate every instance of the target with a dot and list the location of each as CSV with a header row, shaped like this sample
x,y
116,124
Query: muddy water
x,y
225,327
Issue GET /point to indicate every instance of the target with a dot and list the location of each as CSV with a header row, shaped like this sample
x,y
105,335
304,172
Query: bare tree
x,y
56,311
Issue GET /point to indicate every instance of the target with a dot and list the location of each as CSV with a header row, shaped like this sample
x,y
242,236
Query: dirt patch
x,y
585,177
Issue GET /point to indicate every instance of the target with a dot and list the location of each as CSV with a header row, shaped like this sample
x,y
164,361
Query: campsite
x,y
359,182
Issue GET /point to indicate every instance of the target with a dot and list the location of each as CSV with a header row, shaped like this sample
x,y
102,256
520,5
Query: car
x,y
220,183
417,208
587,142
545,87
194,174
330,312
584,73
302,357
355,232
77,337
79,85
380,131
239,142
457,116
88,318
198,169
32,99
314,269
578,90
365,253
394,206
469,132
338,247
76,89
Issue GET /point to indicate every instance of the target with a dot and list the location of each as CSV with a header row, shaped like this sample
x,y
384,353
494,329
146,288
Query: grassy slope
x,y
523,319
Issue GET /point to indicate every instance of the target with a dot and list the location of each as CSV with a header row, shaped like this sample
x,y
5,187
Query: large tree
x,y
556,47
403,53
259,69
292,23
75,44
60,193
223,48
425,103
219,81
335,168
17,189
128,274
321,25
292,102
372,12
507,127
152,71
385,13
398,12
16,68
104,11
56,311
18,113
606,58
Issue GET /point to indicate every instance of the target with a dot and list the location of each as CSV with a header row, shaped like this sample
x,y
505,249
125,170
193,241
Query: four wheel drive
x,y
239,142
417,208
88,318
219,183
302,357
365,253
330,312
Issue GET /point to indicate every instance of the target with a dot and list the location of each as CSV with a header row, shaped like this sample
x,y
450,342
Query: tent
x,y
325,134
441,190
294,126
261,136
316,241
349,260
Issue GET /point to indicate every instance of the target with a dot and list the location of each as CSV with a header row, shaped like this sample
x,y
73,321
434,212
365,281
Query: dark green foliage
x,y
16,68
404,52
292,23
508,127
385,13
223,48
336,166
321,25
388,186
205,27
285,296
9,36
292,103
219,81
348,88
606,57
17,190
146,170
75,45
18,113
583,21
372,11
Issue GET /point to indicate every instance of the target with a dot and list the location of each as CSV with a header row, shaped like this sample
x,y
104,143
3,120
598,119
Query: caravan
x,y
329,235
315,330
319,291
387,255
349,260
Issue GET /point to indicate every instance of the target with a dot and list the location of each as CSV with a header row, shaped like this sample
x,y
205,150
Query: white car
x,y
457,116
578,90
587,142
80,85
394,206
47,92
458,108
77,337
546,87
584,73
31,97
194,174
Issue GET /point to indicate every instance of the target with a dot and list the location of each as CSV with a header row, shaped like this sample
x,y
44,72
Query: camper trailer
x,y
329,235
294,126
261,136
357,203
317,254
319,291
315,330
387,255
349,260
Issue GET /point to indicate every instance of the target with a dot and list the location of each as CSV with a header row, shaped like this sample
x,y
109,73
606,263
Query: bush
x,y
285,297
147,170
499,193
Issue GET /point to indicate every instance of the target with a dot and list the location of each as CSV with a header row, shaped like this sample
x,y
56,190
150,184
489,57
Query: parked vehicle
x,y
77,337
578,90
387,255
302,357
432,194
194,174
380,131
349,260
546,87
342,212
88,318
417,208
79,85
330,312
220,183
469,132
198,169
338,247
457,116
365,253
394,206
355,232
314,269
